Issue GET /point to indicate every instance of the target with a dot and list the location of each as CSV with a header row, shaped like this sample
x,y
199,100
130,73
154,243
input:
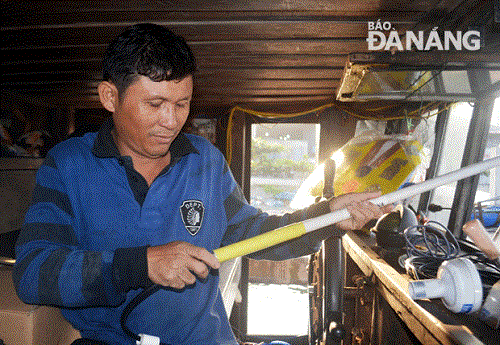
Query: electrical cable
x,y
427,247
431,242
229,148
488,271
132,305
278,117
437,208
425,83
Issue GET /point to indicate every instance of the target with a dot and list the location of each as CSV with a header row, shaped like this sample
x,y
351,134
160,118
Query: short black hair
x,y
149,50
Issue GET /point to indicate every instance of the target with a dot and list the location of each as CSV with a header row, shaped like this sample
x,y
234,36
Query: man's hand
x,y
360,208
177,264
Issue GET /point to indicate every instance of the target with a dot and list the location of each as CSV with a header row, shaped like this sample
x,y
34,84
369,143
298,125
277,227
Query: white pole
x,y
404,193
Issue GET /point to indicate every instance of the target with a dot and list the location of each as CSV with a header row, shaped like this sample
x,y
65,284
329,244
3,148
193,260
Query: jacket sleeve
x,y
51,266
246,221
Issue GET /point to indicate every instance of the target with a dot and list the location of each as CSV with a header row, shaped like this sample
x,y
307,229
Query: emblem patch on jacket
x,y
192,215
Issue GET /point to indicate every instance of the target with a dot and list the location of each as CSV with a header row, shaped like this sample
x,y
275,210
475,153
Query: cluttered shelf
x,y
430,320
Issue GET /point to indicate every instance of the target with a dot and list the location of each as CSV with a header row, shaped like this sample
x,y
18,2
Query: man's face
x,y
150,115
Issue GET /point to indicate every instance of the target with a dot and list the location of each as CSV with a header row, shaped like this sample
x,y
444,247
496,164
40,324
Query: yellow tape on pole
x,y
260,242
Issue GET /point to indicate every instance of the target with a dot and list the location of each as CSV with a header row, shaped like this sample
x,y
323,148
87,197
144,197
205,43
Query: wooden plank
x,y
210,93
236,93
41,62
456,15
13,56
293,47
228,73
282,46
20,163
92,101
438,59
74,58
199,84
269,93
124,18
418,327
17,9
190,30
274,83
49,76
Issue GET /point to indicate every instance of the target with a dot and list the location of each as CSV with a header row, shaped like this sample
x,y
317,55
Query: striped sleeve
x,y
245,221
50,267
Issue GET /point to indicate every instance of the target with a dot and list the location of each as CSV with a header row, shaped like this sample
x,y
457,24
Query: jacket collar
x,y
105,146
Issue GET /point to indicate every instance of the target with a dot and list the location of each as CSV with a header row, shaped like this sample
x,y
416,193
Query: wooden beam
x,y
61,12
191,31
48,60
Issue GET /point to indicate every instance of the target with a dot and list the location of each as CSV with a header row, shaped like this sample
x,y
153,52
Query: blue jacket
x,y
83,244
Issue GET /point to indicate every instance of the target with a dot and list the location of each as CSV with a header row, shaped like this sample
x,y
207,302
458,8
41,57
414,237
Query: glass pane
x,y
456,82
283,155
452,152
495,77
387,82
487,200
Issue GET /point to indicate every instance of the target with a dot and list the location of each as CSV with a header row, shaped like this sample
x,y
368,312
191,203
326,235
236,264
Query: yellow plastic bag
x,y
385,164
366,163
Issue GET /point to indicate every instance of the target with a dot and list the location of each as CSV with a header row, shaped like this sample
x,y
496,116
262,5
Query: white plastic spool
x,y
457,283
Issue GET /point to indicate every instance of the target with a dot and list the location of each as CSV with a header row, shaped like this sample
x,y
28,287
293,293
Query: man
x,y
139,203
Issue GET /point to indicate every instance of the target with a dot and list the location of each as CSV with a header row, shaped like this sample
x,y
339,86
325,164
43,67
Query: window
x,y
282,156
487,199
452,152
451,159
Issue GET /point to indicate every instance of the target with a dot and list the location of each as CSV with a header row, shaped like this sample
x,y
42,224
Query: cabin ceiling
x,y
248,52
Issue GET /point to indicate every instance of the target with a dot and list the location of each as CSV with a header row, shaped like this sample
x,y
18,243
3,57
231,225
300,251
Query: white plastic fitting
x,y
490,312
457,283
147,339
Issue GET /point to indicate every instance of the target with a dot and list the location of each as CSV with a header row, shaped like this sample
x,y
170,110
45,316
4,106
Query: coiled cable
x,y
427,247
